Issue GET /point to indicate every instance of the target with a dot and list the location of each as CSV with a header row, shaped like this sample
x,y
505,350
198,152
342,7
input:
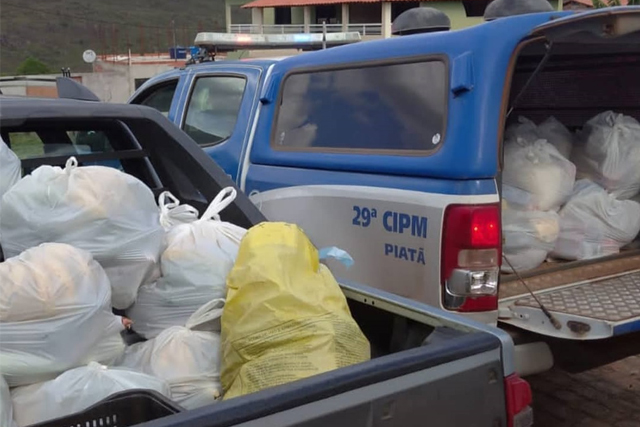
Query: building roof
x,y
589,3
297,3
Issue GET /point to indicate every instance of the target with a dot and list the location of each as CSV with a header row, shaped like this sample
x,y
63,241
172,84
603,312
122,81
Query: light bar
x,y
227,42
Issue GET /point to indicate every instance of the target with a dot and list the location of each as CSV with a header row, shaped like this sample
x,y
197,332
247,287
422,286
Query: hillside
x,y
58,31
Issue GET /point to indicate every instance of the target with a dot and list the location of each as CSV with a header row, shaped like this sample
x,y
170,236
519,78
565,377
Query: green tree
x,y
31,66
599,4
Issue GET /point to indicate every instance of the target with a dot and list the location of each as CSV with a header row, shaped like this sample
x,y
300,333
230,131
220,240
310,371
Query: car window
x,y
213,108
54,142
159,97
395,107
26,144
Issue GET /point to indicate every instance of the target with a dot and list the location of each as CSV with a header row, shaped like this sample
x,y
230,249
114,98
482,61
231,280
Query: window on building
x,y
213,109
328,13
399,7
282,16
396,107
475,8
158,97
365,13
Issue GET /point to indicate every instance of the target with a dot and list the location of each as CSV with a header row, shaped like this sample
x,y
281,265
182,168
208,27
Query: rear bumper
x,y
533,358
532,355
487,317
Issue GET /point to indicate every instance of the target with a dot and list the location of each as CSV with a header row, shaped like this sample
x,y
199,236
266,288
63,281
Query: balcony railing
x,y
363,29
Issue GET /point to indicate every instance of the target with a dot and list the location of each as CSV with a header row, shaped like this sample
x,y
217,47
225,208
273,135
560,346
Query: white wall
x,y
109,87
116,82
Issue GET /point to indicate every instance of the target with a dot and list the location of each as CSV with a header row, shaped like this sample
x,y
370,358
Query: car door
x,y
216,110
163,94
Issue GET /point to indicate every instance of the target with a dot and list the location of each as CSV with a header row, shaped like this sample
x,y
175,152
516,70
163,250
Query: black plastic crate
x,y
124,409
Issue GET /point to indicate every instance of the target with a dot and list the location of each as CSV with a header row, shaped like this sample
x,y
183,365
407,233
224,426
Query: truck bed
x,y
457,363
592,299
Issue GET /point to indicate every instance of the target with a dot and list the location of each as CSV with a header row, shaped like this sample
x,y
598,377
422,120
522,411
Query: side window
x,y
59,142
26,144
395,107
159,97
213,108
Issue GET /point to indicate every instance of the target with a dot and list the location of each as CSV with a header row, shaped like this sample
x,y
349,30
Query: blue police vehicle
x,y
393,150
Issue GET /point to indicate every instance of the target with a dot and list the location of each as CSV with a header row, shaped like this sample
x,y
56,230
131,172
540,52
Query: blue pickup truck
x,y
393,150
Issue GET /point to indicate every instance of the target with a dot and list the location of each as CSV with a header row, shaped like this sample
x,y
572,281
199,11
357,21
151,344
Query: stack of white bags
x,y
80,241
102,210
608,153
594,214
55,314
187,357
537,181
529,236
594,223
195,264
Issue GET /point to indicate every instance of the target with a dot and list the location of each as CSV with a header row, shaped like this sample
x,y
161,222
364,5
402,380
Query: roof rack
x,y
209,44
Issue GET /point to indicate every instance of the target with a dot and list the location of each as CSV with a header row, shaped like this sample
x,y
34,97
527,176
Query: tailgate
x,y
593,301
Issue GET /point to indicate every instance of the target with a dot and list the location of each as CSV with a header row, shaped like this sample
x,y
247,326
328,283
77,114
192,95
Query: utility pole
x,y
173,24
141,29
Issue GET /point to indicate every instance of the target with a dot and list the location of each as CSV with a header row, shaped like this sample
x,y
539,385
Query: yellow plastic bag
x,y
286,317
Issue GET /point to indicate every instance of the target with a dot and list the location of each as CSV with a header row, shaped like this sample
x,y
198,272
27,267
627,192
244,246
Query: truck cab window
x,y
390,107
159,97
213,108
62,142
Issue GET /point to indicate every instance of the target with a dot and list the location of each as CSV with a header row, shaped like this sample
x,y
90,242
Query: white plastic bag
x,y
593,223
538,168
55,314
523,129
529,236
111,214
557,134
195,265
10,168
173,213
520,199
608,153
6,407
76,390
188,359
551,130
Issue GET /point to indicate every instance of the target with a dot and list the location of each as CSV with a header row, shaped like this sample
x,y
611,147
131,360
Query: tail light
x,y
518,395
471,257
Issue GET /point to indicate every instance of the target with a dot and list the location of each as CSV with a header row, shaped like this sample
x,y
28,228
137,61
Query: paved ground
x,y
608,396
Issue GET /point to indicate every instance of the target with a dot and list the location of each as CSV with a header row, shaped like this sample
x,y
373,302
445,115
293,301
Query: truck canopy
x,y
470,75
